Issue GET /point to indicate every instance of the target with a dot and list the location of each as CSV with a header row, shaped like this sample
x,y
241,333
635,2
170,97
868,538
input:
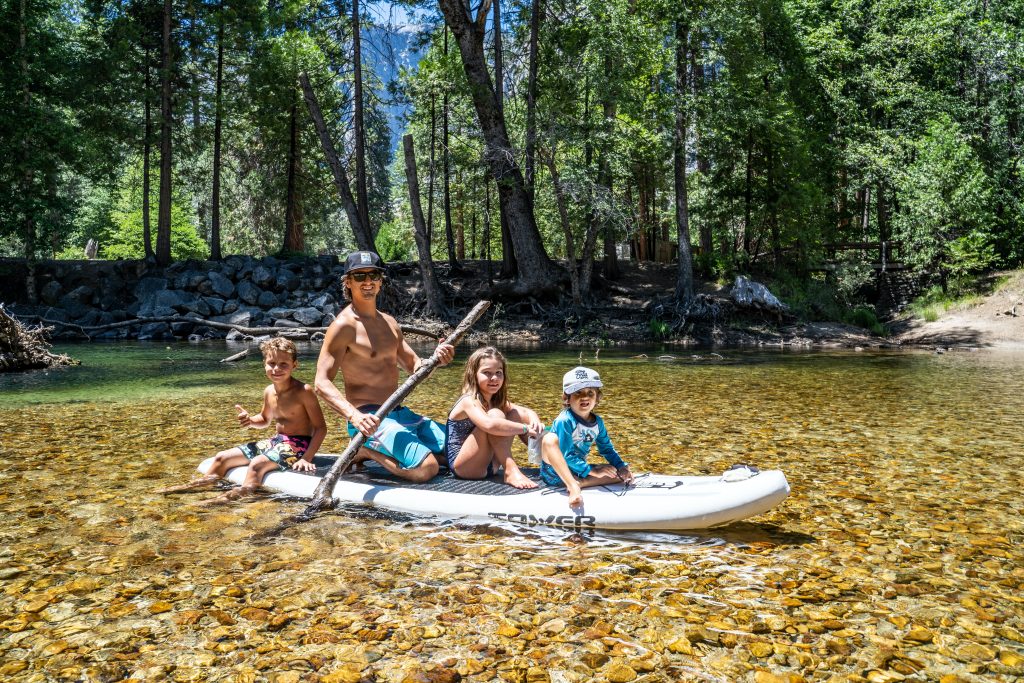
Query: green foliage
x,y
395,242
659,329
124,240
947,203
864,316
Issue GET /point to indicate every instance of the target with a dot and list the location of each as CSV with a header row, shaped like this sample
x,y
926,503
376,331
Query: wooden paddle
x,y
322,498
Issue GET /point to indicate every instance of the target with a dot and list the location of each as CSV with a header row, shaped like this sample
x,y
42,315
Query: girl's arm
x,y
498,426
532,419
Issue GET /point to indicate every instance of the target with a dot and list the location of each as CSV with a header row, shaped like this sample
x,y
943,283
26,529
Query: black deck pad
x,y
444,482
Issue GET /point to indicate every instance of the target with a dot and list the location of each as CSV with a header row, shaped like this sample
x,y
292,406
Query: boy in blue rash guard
x,y
577,428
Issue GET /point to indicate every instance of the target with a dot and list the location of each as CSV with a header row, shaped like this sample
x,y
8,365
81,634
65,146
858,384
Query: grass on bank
x,y
934,302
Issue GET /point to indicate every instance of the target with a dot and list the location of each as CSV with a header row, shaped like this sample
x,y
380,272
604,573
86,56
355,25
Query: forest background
x,y
751,136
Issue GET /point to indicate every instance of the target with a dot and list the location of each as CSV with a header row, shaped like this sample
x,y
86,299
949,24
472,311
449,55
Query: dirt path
x,y
996,321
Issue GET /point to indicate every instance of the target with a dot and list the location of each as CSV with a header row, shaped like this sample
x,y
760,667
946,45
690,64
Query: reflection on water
x,y
898,555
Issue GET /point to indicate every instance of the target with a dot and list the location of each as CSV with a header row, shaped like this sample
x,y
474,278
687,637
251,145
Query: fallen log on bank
x,y
250,331
25,348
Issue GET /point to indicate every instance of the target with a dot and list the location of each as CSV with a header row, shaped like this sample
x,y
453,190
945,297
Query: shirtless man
x,y
367,346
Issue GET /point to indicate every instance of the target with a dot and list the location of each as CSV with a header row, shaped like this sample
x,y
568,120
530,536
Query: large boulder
x,y
248,292
750,294
220,285
50,293
155,331
190,280
263,276
242,318
166,302
287,281
200,307
216,305
307,316
267,300
148,286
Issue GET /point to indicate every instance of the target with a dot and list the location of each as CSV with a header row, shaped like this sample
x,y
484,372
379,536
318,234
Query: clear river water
x,y
898,555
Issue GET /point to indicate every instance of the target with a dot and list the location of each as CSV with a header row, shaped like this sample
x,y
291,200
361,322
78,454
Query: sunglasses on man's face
x,y
374,276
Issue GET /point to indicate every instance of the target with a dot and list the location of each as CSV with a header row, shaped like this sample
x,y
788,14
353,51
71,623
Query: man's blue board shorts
x,y
403,435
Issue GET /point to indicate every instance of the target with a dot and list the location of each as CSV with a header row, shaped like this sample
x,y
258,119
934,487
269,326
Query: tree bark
x,y
432,167
359,127
531,97
431,285
294,235
364,239
684,276
570,243
509,267
604,175
453,259
217,129
748,195
163,226
29,225
703,162
537,273
147,144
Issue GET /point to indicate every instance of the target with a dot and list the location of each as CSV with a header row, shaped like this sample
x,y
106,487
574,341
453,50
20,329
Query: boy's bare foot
x,y
228,496
201,482
519,480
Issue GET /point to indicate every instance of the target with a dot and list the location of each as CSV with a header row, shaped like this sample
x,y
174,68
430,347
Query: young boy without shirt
x,y
300,424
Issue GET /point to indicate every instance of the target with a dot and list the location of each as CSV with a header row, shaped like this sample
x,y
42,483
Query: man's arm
x,y
407,358
327,365
332,353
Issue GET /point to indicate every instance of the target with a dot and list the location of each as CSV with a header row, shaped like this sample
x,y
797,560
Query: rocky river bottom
x,y
897,557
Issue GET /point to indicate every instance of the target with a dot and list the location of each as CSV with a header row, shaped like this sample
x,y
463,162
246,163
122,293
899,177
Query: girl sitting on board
x,y
483,422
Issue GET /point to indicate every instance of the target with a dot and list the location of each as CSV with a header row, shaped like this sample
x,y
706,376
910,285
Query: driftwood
x,y
24,348
236,356
322,498
251,331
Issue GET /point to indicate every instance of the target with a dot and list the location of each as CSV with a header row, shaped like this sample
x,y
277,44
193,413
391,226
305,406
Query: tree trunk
x,y
217,129
432,167
294,234
570,245
431,285
453,259
703,163
29,225
509,266
361,232
684,277
358,125
147,144
611,261
537,274
163,225
748,195
531,97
